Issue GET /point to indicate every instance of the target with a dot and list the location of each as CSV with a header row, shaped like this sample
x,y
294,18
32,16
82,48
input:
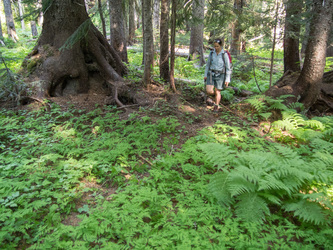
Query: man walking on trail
x,y
217,73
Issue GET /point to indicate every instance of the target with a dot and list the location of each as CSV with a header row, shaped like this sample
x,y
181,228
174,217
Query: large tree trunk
x,y
306,88
291,36
164,41
118,37
11,31
197,26
70,68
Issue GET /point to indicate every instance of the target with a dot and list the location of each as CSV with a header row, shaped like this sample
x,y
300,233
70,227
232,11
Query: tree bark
x,y
306,88
118,37
34,31
173,44
20,7
11,31
70,51
148,42
235,47
131,22
197,26
1,34
100,10
164,41
291,36
156,15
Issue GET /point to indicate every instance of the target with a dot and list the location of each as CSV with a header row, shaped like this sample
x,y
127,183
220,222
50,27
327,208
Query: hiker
x,y
217,73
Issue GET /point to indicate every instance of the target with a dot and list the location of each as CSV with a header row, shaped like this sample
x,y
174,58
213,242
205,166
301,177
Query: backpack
x,y
229,55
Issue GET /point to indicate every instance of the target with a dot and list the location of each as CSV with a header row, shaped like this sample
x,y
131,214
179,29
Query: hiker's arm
x,y
207,67
228,69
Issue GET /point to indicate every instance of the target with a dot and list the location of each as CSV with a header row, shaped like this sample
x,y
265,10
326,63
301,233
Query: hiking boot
x,y
210,102
216,108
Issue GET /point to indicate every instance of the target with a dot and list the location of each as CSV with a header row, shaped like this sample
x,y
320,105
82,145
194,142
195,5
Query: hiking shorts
x,y
216,80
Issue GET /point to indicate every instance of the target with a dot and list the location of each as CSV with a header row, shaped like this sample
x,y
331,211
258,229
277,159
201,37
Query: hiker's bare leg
x,y
217,96
210,90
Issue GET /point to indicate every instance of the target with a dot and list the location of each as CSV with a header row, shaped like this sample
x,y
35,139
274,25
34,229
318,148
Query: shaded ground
x,y
189,109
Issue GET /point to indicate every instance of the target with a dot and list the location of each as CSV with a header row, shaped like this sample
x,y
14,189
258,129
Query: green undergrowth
x,y
89,180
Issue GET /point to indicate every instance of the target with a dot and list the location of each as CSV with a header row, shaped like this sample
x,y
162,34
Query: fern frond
x,y
239,185
306,135
323,157
251,207
314,124
290,120
322,145
307,211
269,182
296,105
251,174
218,154
278,105
319,198
286,153
258,102
271,198
218,186
328,135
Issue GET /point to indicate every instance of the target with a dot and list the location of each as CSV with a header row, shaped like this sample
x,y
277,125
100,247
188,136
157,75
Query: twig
x,y
149,163
127,106
254,74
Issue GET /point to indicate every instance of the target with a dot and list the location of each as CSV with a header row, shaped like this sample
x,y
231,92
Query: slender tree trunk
x,y
148,42
173,44
11,31
1,34
197,27
274,41
236,30
131,22
118,38
34,31
156,14
40,18
291,36
20,7
100,10
164,40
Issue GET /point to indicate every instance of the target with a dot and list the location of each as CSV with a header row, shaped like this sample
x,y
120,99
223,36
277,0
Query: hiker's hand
x,y
227,84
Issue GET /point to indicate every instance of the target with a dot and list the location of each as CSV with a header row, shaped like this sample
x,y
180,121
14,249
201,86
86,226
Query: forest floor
x,y
186,105
131,176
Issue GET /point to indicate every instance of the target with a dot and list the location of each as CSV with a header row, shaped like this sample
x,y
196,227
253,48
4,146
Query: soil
x,y
189,108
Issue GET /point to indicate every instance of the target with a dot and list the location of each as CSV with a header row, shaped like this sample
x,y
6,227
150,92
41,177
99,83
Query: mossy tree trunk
x,y
306,88
86,51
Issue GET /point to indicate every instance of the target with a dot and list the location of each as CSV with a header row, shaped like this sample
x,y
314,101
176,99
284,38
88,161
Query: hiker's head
x,y
218,45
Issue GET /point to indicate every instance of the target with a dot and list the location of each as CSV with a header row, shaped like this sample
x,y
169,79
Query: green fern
x,y
307,210
253,180
251,207
258,102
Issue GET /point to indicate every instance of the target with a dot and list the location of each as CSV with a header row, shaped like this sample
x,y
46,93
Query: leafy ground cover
x,y
170,175
101,179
